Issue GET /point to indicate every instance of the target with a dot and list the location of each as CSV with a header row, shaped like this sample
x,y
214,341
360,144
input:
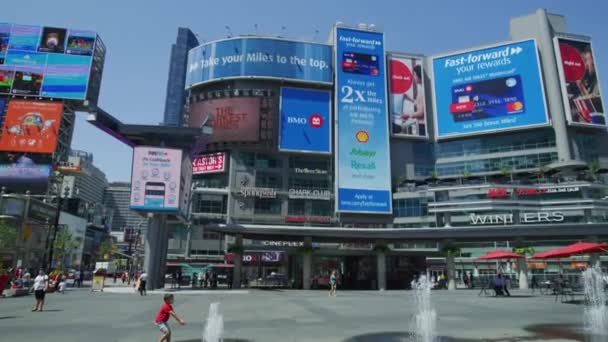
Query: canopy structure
x,y
494,255
574,249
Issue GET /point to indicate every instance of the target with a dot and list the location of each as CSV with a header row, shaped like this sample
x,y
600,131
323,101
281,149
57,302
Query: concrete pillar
x,y
306,264
151,253
238,262
451,266
163,247
381,270
522,267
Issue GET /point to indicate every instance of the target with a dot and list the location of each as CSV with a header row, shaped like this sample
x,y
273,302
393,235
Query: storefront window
x,y
212,204
297,207
321,208
268,206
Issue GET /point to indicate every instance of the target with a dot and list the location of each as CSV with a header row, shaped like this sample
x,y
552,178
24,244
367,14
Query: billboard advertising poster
x,y
24,171
45,61
156,179
490,89
259,57
580,83
31,126
209,163
233,119
362,136
406,101
305,120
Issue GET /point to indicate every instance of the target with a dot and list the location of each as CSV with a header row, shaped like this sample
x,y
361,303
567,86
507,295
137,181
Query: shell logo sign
x,y
362,136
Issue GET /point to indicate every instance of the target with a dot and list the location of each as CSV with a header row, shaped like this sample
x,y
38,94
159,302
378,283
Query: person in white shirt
x,y
142,284
41,283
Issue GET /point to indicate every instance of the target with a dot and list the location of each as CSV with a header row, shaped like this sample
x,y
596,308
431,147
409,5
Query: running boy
x,y
166,310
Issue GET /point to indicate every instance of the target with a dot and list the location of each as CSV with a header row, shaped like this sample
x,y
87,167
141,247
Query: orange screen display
x,y
31,126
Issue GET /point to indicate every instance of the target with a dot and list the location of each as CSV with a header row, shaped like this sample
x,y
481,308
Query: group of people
x,y
208,279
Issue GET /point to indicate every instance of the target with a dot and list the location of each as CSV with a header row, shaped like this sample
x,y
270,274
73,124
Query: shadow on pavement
x,y
9,317
52,310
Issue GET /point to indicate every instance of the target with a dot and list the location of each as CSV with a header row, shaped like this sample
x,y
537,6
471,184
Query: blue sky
x,y
138,35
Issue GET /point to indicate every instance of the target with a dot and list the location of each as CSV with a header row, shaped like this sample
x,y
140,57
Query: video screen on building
x,y
234,119
45,61
209,163
580,82
156,179
497,88
31,126
406,102
21,172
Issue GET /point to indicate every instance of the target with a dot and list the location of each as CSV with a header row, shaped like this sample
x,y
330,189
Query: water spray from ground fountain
x,y
425,319
214,328
596,313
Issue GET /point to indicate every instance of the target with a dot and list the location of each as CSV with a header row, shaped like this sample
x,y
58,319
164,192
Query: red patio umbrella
x,y
574,249
500,255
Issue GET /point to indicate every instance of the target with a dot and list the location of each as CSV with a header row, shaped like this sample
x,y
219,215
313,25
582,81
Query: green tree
x,y
63,245
8,235
105,249
593,168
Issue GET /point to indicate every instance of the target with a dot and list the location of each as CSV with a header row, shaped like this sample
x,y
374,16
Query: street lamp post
x,y
66,192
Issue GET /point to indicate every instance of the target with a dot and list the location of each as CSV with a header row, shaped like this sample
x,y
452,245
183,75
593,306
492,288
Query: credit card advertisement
x,y
580,82
157,179
363,178
305,120
406,101
487,90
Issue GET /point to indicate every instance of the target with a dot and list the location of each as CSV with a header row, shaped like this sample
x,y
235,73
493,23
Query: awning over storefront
x,y
531,232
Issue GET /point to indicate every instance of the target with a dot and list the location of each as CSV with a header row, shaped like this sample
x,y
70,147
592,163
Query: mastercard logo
x,y
362,136
515,106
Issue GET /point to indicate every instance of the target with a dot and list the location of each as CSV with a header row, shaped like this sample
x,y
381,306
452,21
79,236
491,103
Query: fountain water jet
x,y
426,318
596,312
214,328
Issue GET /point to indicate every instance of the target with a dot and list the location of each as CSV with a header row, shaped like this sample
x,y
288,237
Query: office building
x,y
174,101
117,198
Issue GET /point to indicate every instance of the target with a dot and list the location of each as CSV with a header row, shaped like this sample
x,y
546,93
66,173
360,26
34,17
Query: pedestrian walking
x,y
143,278
201,279
80,278
76,278
179,279
115,276
166,311
333,283
62,284
123,277
41,284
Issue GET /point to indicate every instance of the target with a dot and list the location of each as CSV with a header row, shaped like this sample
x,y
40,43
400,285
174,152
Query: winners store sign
x,y
524,218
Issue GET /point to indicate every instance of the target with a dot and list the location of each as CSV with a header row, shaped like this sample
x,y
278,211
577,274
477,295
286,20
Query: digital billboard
x,y
305,120
45,61
24,171
209,163
156,179
406,101
580,82
495,88
362,136
31,126
233,119
259,57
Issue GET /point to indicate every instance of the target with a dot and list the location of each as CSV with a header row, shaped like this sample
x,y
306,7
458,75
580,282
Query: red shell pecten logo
x,y
362,136
315,121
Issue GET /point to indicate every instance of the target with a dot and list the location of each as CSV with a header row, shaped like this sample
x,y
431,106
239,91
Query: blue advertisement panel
x,y
491,89
305,120
363,169
259,57
45,61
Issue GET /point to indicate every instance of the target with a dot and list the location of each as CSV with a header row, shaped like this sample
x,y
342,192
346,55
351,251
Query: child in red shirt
x,y
166,311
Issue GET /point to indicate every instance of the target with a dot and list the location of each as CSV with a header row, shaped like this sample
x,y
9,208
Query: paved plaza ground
x,y
290,315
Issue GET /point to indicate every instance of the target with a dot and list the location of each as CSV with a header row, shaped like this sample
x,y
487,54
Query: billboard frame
x,y
562,78
423,58
336,126
330,120
273,78
548,123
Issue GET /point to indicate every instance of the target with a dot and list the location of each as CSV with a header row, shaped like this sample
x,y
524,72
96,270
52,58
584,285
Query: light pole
x,y
130,259
65,194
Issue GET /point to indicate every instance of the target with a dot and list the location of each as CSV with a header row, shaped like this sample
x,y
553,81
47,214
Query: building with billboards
x,y
344,149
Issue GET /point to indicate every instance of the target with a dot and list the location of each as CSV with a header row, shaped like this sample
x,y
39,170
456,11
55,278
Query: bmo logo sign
x,y
315,120
305,120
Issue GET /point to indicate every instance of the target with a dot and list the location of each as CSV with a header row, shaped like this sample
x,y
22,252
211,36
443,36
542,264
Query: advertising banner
x,y
305,120
45,61
31,126
259,57
156,179
407,105
209,163
580,82
24,171
233,119
362,138
496,88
